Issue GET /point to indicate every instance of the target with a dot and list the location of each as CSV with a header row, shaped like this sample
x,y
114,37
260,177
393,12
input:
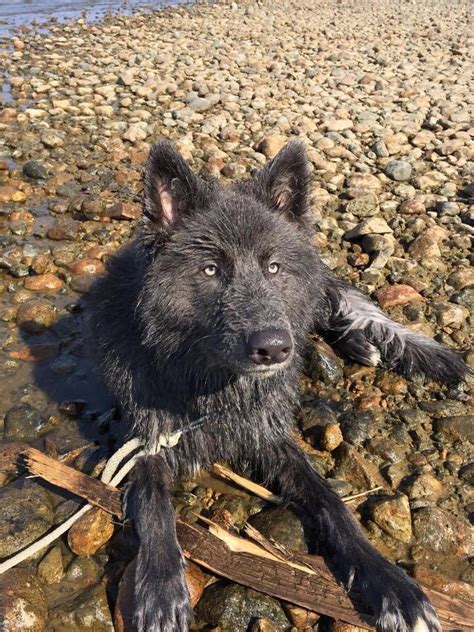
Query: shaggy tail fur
x,y
362,332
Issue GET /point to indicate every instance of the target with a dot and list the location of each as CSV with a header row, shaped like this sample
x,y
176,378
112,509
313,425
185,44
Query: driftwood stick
x,y
304,580
94,491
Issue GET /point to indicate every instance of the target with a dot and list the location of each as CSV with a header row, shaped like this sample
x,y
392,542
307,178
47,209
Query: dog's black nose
x,y
271,346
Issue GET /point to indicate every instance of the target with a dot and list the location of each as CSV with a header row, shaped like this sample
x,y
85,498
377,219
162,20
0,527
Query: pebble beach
x,y
381,94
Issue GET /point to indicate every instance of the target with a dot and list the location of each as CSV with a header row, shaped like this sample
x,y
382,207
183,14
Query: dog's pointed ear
x,y
171,188
284,181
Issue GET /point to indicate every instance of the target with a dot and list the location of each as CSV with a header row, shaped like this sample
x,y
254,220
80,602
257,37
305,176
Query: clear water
x,y
16,13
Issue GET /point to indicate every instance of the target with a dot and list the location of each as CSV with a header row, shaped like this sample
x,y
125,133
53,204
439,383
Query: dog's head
x,y
232,273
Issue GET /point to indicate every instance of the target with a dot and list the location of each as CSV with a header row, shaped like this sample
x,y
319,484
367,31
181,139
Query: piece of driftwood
x,y
94,491
305,580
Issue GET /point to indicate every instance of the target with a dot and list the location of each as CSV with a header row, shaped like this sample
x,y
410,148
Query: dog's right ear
x,y
171,188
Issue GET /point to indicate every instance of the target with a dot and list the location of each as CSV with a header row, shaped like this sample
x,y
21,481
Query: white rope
x,y
109,476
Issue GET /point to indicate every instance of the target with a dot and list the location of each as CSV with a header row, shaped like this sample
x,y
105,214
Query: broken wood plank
x,y
94,491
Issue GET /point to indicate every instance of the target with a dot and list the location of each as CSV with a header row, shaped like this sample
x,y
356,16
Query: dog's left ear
x,y
284,181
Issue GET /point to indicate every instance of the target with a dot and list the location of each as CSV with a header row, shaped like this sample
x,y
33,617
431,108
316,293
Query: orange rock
x,y
43,283
90,532
88,266
397,295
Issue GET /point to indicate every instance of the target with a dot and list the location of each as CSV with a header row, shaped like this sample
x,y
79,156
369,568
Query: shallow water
x,y
16,13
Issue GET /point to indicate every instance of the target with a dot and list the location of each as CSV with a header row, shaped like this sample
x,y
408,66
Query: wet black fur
x,y
170,341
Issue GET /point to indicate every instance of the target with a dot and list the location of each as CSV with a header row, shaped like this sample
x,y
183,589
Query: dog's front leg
x,y
397,602
363,332
161,594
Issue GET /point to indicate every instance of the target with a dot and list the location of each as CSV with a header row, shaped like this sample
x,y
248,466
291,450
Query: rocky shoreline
x,y
380,94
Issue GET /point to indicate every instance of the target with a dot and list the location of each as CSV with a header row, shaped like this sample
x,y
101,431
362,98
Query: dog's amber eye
x,y
210,270
273,267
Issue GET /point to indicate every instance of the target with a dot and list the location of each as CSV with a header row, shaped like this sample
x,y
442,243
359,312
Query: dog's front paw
x,y
163,606
398,602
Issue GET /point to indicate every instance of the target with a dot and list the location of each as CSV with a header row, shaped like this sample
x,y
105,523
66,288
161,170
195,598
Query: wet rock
x,y
231,511
90,532
331,437
88,611
36,315
43,283
22,602
324,364
397,295
51,567
87,266
25,515
398,170
64,230
281,525
355,469
35,170
82,282
233,608
425,487
455,428
262,625
440,531
23,422
393,516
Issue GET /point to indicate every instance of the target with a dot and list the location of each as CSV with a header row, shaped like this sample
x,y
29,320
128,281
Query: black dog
x,y
207,312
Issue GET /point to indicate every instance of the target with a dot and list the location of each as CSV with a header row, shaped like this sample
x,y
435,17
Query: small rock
x,y
90,532
271,145
426,245
372,226
461,278
35,170
455,428
451,315
23,606
67,230
124,211
87,266
365,205
43,283
393,516
26,514
51,567
136,132
233,608
425,487
398,170
331,437
324,364
441,532
397,295
353,468
23,422
87,611
281,525
51,139
36,315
